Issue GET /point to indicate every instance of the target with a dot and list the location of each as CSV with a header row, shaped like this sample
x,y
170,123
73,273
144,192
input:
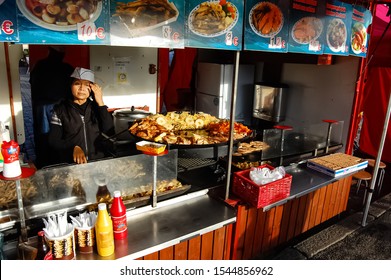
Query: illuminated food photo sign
x,y
8,31
150,23
359,37
63,21
306,27
266,25
214,24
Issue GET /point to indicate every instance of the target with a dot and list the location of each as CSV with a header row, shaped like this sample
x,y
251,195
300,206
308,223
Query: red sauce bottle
x,y
118,216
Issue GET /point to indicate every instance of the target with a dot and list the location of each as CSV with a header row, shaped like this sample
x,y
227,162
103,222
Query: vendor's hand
x,y
78,155
98,94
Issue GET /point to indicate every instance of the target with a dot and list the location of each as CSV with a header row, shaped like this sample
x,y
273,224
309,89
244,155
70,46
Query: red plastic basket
x,y
263,195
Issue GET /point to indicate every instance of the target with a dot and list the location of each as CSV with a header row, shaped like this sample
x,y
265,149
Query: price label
x,y
314,46
86,31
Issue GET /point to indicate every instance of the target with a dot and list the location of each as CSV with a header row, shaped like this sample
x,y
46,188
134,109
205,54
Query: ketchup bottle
x,y
118,216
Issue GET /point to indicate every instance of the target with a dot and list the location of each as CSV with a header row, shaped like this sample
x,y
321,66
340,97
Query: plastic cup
x,y
85,239
63,247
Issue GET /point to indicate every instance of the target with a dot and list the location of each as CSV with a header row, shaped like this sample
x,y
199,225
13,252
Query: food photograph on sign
x,y
143,15
336,35
266,19
60,15
358,38
213,18
307,29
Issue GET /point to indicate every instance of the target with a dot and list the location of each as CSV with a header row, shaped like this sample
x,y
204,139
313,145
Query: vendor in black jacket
x,y
77,123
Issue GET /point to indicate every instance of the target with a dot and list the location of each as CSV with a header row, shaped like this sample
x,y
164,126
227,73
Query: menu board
x,y
337,21
65,22
359,38
147,23
266,25
8,31
215,24
306,26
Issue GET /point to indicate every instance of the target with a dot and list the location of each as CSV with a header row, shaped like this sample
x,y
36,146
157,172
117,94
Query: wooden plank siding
x,y
214,245
282,223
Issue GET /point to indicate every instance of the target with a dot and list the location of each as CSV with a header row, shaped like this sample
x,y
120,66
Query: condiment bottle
x,y
104,232
103,194
118,216
44,252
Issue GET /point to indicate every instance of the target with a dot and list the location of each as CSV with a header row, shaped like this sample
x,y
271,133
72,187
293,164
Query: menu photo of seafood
x,y
358,38
60,15
143,15
266,19
307,29
213,18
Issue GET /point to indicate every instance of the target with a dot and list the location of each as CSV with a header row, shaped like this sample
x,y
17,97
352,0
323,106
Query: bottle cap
x,y
117,193
102,206
41,233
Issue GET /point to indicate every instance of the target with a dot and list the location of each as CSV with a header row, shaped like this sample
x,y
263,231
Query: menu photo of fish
x,y
145,14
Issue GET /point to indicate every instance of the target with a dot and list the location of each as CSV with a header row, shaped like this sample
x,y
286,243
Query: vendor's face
x,y
81,90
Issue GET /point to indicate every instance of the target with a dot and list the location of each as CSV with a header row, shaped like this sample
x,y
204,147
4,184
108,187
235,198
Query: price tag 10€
x,y
86,31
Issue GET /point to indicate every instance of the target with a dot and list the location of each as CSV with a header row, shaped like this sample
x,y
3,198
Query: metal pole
x,y
377,163
232,123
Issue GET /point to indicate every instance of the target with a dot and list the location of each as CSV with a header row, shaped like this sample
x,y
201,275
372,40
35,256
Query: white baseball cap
x,y
83,74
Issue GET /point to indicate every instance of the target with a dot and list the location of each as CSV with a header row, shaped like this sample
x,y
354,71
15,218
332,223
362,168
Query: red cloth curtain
x,y
374,106
180,76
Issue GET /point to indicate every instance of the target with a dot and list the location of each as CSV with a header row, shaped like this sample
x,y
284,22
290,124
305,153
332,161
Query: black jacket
x,y
69,128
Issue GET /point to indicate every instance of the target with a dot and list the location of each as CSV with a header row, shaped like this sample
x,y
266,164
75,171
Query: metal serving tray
x,y
8,218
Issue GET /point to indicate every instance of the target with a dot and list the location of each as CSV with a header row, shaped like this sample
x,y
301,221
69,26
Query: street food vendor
x,y
78,122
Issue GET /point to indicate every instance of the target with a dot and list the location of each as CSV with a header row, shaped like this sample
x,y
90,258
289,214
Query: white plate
x,y
36,20
258,32
332,23
191,15
315,22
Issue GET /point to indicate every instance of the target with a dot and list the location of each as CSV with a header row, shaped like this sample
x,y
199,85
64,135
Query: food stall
x,y
205,220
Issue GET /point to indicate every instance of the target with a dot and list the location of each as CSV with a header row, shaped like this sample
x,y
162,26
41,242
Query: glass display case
x,y
76,187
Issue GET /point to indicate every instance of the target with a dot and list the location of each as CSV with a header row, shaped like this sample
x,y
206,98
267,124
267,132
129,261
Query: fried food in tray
x,y
145,13
267,19
187,129
8,191
249,147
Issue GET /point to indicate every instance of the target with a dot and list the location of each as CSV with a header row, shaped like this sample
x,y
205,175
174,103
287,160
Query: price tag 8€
x,y
86,31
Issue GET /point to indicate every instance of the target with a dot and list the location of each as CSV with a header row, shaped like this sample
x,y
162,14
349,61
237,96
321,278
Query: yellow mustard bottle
x,y
104,232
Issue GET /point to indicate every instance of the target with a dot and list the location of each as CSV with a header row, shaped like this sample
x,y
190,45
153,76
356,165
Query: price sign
x,y
86,31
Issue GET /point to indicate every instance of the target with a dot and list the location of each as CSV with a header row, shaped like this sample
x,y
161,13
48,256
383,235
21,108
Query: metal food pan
x,y
8,218
41,210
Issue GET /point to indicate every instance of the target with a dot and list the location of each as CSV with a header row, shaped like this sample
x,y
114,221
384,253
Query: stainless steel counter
x,y
304,181
179,219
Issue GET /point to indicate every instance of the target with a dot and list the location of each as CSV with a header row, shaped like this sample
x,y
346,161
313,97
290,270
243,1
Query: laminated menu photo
x,y
361,19
266,25
216,24
147,23
8,22
338,20
63,22
306,27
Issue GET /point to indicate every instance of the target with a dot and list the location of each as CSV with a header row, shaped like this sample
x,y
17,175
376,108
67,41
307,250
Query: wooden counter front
x,y
257,232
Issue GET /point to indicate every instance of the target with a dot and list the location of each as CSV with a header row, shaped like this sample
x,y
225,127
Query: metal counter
x,y
304,181
171,222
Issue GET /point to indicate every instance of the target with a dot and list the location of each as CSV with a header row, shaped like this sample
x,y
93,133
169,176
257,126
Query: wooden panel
x,y
258,235
300,215
207,246
218,244
292,219
153,256
228,242
194,249
347,185
250,232
338,198
285,222
314,208
180,251
334,199
276,226
326,204
167,253
267,233
240,229
319,210
308,211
